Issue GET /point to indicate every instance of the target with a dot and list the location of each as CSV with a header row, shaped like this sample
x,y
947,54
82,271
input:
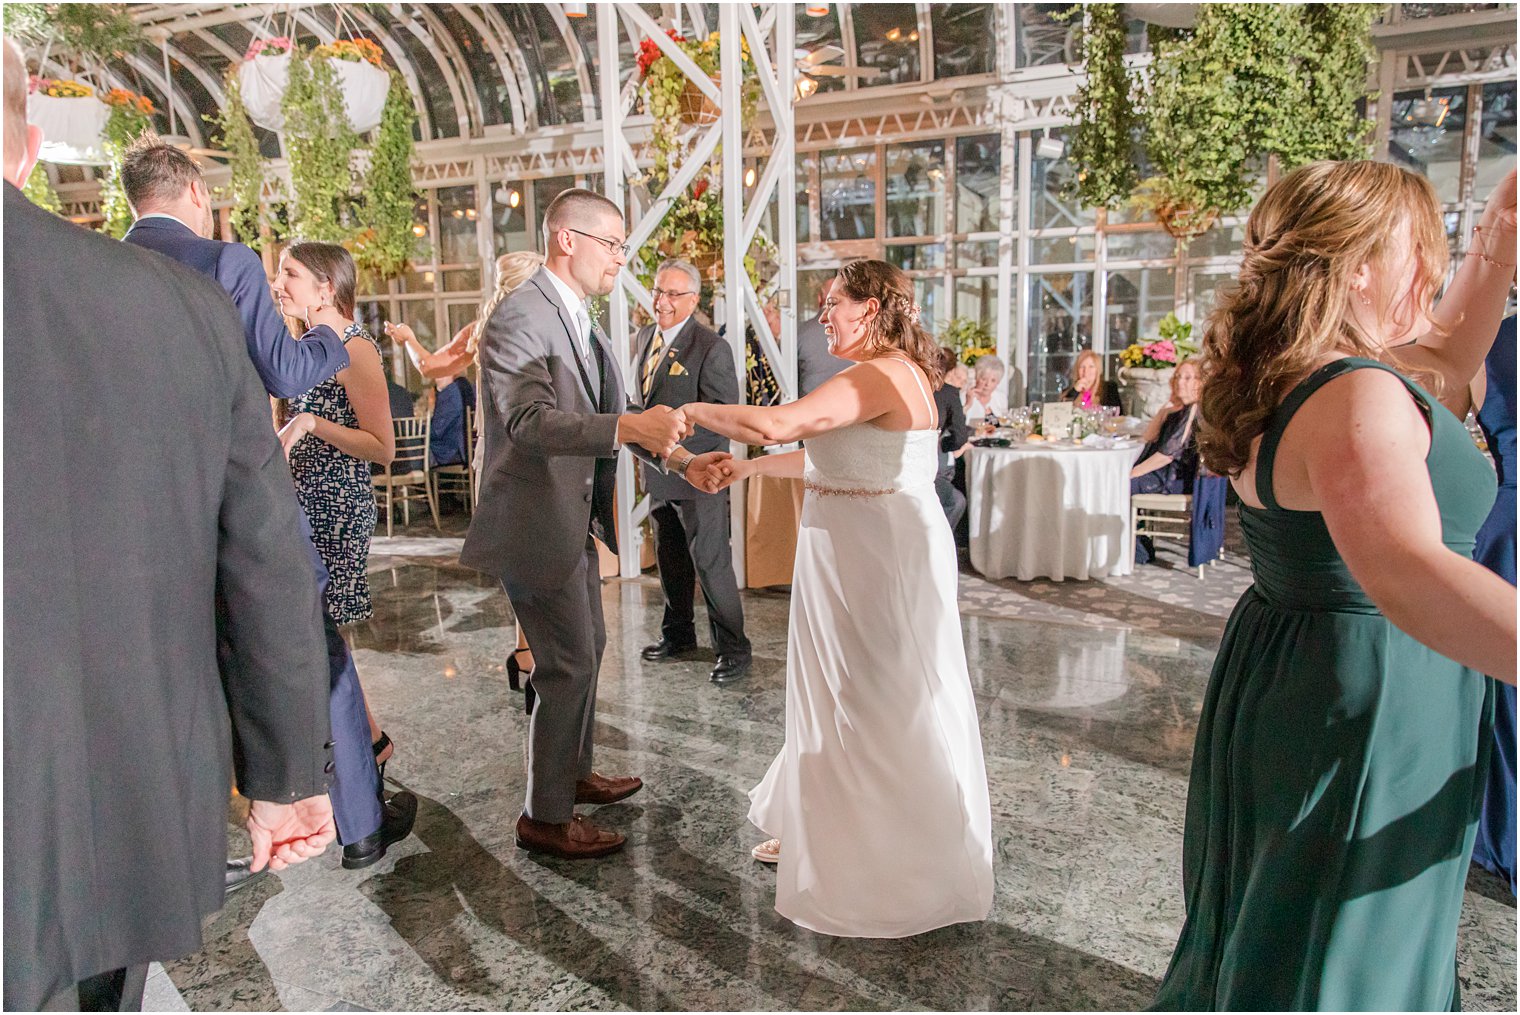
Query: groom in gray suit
x,y
558,416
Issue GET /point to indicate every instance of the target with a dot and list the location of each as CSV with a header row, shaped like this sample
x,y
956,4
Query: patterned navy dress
x,y
335,492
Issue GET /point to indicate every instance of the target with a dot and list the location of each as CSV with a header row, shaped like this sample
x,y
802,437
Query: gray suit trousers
x,y
565,627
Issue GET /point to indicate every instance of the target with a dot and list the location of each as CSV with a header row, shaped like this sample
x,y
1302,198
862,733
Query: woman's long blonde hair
x,y
1291,304
512,270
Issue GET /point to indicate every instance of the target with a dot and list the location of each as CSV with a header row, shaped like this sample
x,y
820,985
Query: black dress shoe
x,y
729,669
240,874
666,649
396,817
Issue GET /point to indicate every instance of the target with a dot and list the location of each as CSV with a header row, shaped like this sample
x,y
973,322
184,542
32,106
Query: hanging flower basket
x,y
264,76
696,107
72,121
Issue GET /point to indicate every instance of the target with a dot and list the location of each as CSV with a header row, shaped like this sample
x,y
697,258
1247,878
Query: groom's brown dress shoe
x,y
599,789
578,839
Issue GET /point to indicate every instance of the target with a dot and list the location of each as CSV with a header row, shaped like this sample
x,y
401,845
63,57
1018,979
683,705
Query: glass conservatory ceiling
x,y
473,67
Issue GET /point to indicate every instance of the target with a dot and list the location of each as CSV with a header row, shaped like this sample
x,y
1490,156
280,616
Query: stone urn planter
x,y
1144,390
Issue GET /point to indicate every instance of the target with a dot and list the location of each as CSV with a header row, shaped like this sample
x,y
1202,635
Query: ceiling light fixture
x,y
817,10
575,10
1050,147
805,86
419,230
893,34
749,177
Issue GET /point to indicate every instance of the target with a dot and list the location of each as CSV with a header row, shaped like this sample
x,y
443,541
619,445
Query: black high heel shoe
x,y
379,748
517,681
514,670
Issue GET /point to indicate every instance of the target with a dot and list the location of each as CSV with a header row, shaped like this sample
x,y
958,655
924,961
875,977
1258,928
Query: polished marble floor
x,y
1089,696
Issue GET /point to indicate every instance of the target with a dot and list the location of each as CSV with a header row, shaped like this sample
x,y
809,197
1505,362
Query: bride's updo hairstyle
x,y
894,326
1291,303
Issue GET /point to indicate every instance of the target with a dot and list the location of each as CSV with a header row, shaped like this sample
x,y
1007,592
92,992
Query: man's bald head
x,y
21,139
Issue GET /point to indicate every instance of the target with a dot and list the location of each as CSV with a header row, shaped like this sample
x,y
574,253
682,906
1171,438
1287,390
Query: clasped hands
x,y
660,429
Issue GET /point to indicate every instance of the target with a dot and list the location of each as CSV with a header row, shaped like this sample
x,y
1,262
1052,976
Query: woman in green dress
x,y
1339,767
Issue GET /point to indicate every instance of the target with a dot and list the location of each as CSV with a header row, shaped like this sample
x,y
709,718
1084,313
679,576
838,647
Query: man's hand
x,y
656,430
328,316
706,474
284,834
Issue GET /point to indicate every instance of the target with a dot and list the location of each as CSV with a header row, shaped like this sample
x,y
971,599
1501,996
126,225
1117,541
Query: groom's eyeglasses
x,y
613,246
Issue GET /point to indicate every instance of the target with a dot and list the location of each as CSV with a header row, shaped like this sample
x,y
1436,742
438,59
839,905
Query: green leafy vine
x,y
385,243
320,144
1102,143
247,164
39,190
123,126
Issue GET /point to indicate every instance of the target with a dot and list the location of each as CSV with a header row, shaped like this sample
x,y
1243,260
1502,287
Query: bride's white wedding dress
x,y
879,796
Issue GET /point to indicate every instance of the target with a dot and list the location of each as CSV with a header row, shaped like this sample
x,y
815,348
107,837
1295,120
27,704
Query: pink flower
x,y
1164,351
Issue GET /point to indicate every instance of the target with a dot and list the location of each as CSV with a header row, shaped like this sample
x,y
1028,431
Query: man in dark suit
x,y
161,626
557,418
168,195
680,361
815,364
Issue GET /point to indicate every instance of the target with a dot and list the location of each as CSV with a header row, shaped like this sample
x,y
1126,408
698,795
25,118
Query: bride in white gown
x,y
879,795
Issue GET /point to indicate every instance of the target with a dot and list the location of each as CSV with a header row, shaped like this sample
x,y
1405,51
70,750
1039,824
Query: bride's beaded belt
x,y
837,491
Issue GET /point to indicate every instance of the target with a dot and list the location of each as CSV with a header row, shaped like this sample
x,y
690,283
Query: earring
x,y
1361,294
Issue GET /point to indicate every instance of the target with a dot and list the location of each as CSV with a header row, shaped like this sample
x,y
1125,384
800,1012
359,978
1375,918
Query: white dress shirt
x,y
577,310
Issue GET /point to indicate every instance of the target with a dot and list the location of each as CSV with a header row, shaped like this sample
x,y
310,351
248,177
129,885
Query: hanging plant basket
x,y
71,128
1184,223
264,77
696,107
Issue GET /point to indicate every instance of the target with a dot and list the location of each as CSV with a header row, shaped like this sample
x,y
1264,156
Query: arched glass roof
x,y
481,68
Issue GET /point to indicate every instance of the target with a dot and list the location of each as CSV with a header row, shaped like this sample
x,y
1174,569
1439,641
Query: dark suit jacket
x,y
706,374
287,368
953,431
815,364
161,623
550,443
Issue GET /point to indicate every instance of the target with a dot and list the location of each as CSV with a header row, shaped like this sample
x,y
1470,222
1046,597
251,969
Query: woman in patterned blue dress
x,y
348,420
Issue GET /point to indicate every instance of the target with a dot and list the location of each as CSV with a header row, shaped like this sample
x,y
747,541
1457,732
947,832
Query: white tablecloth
x,y
1050,512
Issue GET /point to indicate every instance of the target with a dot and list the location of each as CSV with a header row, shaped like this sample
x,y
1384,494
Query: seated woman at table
x,y
1170,458
1088,388
985,397
447,445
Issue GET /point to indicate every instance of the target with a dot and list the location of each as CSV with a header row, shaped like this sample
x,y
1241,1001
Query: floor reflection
x,y
1089,696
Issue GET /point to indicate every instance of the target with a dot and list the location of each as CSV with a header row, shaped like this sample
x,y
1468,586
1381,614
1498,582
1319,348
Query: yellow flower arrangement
x,y
64,88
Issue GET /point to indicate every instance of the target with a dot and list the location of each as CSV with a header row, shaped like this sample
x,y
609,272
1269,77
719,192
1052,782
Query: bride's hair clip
x,y
908,307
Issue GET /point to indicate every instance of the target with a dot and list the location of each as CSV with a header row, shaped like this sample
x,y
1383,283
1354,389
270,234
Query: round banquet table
x,y
1047,510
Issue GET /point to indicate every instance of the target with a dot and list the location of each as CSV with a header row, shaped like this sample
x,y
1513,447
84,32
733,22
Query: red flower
x,y
699,189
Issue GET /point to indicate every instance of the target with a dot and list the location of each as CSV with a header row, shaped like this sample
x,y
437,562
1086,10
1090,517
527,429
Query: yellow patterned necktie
x,y
656,347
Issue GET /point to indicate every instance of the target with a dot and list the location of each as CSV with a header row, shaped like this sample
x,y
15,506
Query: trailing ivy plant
x,y
320,144
386,244
39,190
1102,140
247,164
1331,125
124,125
81,34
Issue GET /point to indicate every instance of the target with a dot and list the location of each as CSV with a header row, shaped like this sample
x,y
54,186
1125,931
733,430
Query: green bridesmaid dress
x,y
1338,773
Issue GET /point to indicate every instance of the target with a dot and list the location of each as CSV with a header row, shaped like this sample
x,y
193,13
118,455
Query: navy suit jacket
x,y
288,368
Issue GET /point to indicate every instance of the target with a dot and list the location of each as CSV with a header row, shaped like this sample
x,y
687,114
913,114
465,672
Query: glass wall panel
x,y
485,70
807,185
1426,136
978,183
509,226
813,33
1147,246
930,294
1138,298
457,212
886,37
917,256
916,189
976,298
964,39
1041,38
1064,249
1496,138
1050,208
560,101
408,29
976,254
809,288
848,194
1060,324
544,191
1206,285
461,314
